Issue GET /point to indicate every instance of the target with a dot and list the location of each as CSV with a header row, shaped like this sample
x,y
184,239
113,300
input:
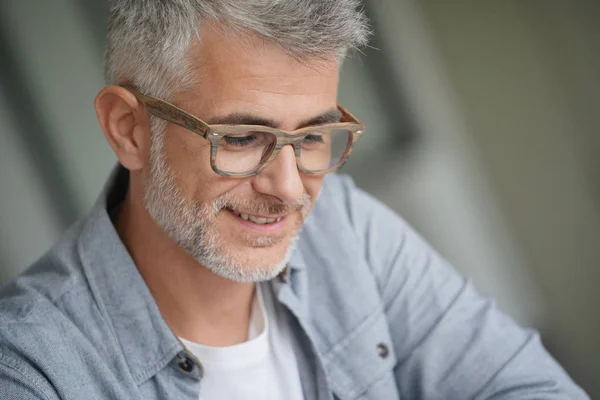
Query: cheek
x,y
186,150
313,185
188,156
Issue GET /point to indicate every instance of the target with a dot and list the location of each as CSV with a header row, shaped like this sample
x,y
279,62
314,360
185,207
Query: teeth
x,y
258,220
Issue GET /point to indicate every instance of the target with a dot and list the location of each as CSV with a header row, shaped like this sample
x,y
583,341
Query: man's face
x,y
242,229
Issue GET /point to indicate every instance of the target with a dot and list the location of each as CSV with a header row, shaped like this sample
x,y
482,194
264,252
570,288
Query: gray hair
x,y
148,40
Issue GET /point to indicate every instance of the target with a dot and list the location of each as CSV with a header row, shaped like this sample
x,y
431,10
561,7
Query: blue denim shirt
x,y
376,313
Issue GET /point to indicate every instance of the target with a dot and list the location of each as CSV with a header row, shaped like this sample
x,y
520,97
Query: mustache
x,y
260,205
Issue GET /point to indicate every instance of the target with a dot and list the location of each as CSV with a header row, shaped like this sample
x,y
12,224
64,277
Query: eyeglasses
x,y
245,150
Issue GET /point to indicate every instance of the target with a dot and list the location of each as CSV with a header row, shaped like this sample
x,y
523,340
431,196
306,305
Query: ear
x,y
125,124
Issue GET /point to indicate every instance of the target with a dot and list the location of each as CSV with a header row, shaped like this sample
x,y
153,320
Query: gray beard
x,y
193,226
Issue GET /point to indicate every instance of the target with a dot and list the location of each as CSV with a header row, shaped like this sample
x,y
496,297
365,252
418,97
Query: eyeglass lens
x,y
244,152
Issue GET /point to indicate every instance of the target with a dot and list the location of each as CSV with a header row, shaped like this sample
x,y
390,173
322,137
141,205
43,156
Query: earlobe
x,y
124,124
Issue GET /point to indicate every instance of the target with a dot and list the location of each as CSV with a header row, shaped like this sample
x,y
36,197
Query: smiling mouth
x,y
256,219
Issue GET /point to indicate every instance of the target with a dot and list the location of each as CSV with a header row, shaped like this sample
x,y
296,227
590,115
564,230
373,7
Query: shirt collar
x,y
146,341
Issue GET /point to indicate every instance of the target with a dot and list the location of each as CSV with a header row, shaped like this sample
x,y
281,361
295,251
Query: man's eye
x,y
239,140
314,139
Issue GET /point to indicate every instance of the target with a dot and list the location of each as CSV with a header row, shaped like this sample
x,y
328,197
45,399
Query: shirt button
x,y
186,365
383,351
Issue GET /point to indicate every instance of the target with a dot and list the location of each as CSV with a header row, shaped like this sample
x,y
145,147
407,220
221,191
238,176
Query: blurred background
x,y
483,132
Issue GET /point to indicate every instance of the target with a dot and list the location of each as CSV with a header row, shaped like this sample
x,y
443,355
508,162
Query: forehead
x,y
244,73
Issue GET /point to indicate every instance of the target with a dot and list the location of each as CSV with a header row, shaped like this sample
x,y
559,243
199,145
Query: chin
x,y
248,272
253,264
264,258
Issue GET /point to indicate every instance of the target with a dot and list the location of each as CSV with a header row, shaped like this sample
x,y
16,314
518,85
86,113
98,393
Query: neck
x,y
197,304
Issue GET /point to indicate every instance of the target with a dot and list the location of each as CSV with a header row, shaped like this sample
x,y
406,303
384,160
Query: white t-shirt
x,y
262,368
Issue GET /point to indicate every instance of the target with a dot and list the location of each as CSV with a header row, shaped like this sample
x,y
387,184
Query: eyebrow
x,y
328,117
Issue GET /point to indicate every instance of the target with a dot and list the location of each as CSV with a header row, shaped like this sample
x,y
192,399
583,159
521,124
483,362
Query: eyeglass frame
x,y
215,133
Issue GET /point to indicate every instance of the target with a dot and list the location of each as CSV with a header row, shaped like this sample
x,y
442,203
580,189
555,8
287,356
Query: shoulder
x,y
38,309
354,207
44,283
349,220
359,217
46,314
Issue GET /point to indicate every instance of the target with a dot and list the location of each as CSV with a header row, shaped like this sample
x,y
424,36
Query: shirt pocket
x,y
364,360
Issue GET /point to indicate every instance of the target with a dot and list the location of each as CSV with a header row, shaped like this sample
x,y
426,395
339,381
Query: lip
x,y
274,228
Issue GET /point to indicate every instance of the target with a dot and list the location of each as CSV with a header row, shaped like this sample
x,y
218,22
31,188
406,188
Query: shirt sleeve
x,y
451,343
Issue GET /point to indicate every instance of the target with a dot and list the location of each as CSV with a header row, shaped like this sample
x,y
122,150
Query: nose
x,y
281,178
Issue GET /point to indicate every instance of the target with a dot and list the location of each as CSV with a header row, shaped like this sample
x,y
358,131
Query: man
x,y
199,274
